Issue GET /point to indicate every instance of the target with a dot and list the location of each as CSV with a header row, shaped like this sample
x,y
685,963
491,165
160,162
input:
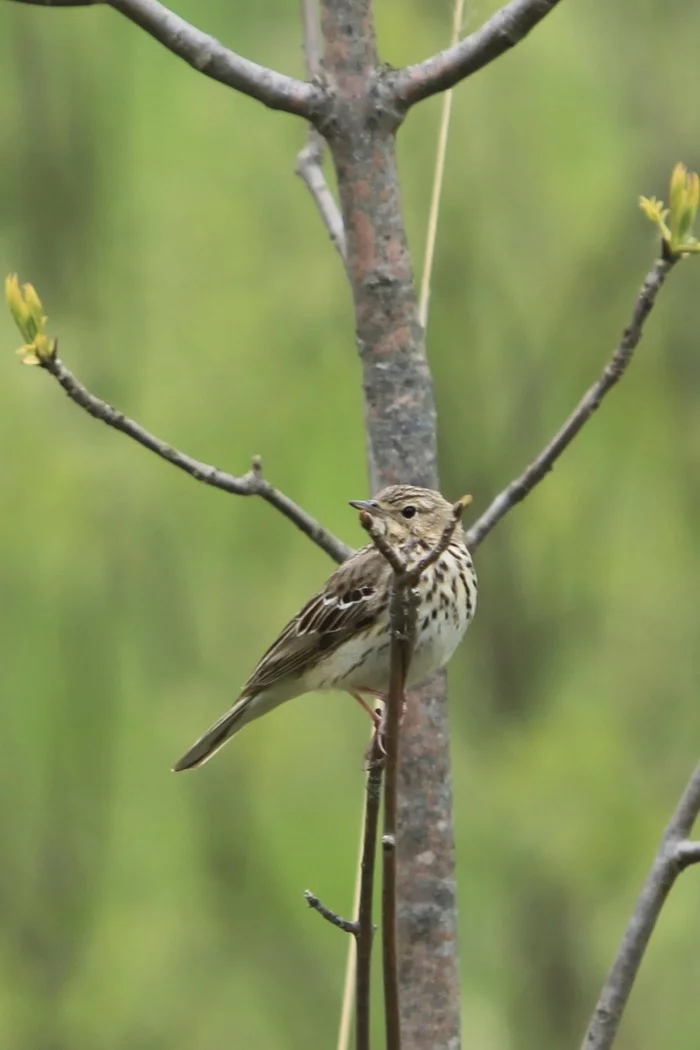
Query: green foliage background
x,y
192,285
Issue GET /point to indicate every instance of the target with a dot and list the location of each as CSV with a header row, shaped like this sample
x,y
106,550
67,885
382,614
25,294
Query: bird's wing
x,y
351,600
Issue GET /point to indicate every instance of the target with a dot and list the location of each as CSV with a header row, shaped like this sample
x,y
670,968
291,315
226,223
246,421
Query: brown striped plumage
x,y
340,639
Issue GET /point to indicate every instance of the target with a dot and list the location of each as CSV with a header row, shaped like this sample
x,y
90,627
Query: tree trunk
x,y
401,432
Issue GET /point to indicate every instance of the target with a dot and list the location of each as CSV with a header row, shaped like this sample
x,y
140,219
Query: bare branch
x,y
310,160
504,30
210,57
613,372
251,484
309,169
674,855
365,926
330,916
414,574
403,631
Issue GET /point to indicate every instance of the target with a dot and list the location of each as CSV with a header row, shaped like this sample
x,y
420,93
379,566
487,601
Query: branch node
x,y
686,853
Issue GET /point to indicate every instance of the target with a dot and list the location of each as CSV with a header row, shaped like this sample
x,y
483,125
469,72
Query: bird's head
x,y
405,512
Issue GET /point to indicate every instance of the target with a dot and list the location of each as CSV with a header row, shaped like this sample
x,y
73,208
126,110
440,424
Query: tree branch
x,y
206,54
403,616
613,372
504,30
675,854
310,170
251,484
309,162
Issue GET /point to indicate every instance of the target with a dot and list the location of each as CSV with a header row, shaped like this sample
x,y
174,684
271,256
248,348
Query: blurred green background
x,y
192,285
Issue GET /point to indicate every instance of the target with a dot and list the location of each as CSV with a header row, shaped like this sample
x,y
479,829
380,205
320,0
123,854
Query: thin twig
x,y
362,901
347,925
416,571
309,165
438,180
251,484
365,925
613,372
403,631
503,30
403,614
674,855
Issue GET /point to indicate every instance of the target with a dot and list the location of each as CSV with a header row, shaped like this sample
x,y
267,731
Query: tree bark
x,y
360,126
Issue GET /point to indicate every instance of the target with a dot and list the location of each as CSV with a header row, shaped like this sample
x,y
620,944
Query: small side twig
x,y
347,925
309,165
251,484
518,489
403,614
675,854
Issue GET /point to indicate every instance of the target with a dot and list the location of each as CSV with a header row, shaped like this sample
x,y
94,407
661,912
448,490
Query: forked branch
x,y
518,489
503,30
251,484
675,854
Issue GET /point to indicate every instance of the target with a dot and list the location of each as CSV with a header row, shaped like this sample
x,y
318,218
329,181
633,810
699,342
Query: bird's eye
x,y
409,511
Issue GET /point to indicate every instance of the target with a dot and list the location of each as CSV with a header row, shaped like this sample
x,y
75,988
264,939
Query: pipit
x,y
340,639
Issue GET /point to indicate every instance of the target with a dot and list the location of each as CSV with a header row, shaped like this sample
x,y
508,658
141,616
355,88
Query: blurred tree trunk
x,y
402,443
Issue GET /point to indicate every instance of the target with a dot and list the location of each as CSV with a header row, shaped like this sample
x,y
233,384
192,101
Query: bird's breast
x,y
448,602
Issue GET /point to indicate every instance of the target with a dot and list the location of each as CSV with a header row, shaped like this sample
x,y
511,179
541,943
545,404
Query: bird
x,y
340,639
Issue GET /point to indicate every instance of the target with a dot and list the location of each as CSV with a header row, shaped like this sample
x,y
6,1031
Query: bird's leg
x,y
378,717
381,724
378,720
374,715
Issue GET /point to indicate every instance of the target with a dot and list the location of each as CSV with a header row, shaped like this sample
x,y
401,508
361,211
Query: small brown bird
x,y
340,639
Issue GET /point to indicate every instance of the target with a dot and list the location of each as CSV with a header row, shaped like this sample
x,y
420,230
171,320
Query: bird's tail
x,y
217,735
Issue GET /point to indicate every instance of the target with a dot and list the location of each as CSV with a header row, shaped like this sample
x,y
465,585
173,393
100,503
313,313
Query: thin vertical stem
x,y
403,615
365,925
438,180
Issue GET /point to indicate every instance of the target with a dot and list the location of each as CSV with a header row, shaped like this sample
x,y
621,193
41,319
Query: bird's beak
x,y
370,505
464,501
